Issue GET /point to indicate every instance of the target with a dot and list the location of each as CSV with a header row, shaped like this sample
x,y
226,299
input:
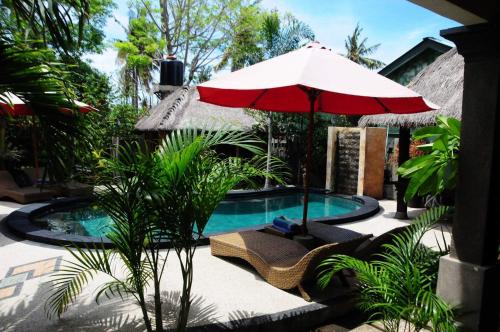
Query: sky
x,y
397,25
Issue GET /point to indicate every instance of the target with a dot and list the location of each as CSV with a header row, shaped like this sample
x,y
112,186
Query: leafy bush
x,y
400,285
436,170
168,194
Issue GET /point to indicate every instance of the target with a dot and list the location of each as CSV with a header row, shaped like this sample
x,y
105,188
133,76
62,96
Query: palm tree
x,y
253,43
60,24
169,194
244,48
29,71
281,36
29,74
139,55
358,51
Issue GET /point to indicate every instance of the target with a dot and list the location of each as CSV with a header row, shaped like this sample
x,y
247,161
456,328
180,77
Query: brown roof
x,y
182,110
441,82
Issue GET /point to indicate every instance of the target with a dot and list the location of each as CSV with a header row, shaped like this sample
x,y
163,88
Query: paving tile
x,y
13,280
7,292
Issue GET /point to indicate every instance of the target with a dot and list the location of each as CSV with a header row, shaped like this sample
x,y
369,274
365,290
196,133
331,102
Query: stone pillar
x,y
469,276
403,155
330,158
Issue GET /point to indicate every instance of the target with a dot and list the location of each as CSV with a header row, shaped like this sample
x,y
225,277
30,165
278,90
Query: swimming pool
x,y
89,220
80,221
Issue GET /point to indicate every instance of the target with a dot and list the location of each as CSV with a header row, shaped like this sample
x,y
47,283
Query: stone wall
x,y
347,161
355,161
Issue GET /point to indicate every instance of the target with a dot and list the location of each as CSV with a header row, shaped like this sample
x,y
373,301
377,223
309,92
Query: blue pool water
x,y
230,215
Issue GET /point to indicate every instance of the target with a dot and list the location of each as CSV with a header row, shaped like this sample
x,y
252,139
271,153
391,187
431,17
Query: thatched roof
x,y
441,82
182,110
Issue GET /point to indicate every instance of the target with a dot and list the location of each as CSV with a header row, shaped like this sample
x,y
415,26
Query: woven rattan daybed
x,y
24,195
283,263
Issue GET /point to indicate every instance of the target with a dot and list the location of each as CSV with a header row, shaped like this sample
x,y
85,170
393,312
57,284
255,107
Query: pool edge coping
x,y
20,221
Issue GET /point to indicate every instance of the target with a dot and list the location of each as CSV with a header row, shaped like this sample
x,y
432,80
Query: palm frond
x,y
68,283
400,285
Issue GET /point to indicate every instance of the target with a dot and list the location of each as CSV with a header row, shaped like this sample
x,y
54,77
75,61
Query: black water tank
x,y
172,72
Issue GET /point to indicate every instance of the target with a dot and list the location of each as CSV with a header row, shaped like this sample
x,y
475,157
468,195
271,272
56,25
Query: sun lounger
x,y
283,263
374,246
24,195
68,189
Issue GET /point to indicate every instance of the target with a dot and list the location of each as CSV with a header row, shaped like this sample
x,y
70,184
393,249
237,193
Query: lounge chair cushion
x,y
285,225
331,234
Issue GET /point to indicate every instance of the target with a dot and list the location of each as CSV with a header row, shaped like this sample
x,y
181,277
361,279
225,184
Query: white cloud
x,y
105,62
114,26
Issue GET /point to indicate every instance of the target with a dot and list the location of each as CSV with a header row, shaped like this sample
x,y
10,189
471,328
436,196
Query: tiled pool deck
x,y
222,291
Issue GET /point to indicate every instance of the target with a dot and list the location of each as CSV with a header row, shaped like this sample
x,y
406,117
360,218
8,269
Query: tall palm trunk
x,y
136,89
142,301
187,277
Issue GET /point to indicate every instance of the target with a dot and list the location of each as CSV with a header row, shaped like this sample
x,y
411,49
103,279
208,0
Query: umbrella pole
x,y
313,95
35,151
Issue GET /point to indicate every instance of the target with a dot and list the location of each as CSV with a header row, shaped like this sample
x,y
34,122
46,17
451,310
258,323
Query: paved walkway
x,y
222,291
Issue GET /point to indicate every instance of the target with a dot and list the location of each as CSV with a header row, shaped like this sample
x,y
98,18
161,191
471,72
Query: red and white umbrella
x,y
14,106
308,80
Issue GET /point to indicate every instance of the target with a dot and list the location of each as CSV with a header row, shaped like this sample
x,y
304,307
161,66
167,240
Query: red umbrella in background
x,y
12,105
308,80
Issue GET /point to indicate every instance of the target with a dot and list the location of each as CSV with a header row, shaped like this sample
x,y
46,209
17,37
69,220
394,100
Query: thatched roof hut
x,y
441,82
182,110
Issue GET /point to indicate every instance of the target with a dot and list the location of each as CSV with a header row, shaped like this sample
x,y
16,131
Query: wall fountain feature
x,y
355,161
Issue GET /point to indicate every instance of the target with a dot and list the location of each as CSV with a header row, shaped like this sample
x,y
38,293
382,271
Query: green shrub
x,y
436,170
400,285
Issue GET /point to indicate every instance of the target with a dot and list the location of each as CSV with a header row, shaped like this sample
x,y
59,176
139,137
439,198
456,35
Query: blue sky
x,y
396,24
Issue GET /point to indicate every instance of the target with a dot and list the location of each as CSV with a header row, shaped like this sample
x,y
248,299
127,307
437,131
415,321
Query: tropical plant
x,y
436,170
197,31
245,35
280,36
38,41
358,51
169,194
139,55
70,26
398,286
194,179
29,74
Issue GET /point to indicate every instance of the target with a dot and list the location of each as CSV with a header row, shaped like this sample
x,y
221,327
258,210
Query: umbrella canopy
x,y
15,106
12,105
312,79
278,85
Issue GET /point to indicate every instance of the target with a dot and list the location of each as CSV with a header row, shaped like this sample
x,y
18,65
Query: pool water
x,y
230,215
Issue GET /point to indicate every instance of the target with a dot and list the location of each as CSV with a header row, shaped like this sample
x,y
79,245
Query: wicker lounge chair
x,y
24,195
369,249
283,263
68,189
